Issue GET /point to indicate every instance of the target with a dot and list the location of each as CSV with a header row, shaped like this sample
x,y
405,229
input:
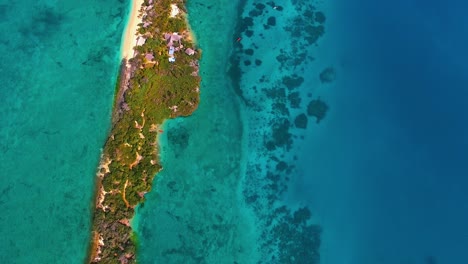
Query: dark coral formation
x,y
289,233
249,51
271,21
301,121
318,109
328,75
281,166
178,139
274,93
306,29
294,100
298,240
280,109
246,23
292,81
280,133
320,17
260,6
255,13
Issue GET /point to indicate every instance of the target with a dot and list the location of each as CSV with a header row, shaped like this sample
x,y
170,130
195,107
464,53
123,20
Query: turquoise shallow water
x,y
195,214
219,198
250,177
58,69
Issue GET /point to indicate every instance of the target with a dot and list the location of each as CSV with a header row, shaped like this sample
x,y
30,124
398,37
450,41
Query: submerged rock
x,y
270,145
328,75
320,17
293,81
313,33
271,21
280,133
255,13
245,23
298,240
249,51
178,139
260,6
301,121
317,108
281,166
294,99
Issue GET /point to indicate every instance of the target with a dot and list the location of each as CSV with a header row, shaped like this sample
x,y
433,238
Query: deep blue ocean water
x,y
386,171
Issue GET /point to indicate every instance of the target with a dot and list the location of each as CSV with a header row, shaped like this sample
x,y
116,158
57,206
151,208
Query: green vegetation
x,y
157,90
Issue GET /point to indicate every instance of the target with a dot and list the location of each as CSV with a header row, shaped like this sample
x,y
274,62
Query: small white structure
x,y
189,51
174,10
171,54
140,41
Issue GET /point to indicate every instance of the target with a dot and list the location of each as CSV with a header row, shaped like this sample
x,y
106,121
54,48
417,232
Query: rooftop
x,y
171,38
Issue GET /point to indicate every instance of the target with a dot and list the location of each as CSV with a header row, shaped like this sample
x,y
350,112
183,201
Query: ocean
x,y
379,179
58,71
220,196
328,132
386,172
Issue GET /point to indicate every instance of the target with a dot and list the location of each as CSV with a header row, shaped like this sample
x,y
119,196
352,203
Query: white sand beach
x,y
129,38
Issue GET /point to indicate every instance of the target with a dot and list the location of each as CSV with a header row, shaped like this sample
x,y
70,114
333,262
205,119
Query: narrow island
x,y
158,80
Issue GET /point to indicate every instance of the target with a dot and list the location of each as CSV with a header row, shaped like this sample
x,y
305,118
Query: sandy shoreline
x,y
129,37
